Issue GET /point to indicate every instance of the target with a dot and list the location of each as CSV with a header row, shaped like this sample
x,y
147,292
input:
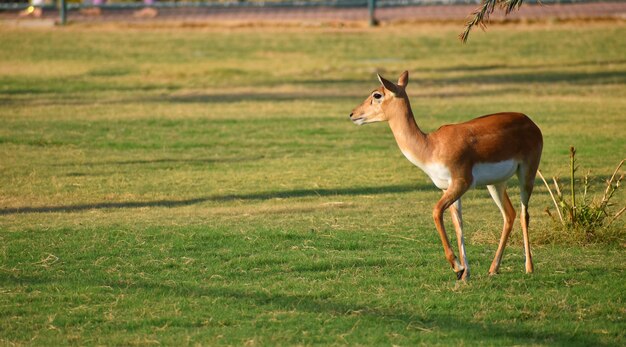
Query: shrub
x,y
584,219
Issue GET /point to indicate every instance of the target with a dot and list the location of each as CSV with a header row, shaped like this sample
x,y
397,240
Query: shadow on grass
x,y
461,68
444,323
475,75
251,96
350,97
192,161
322,97
571,77
296,193
481,75
449,324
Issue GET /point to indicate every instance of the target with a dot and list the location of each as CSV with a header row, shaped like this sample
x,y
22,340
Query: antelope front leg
x,y
457,220
446,201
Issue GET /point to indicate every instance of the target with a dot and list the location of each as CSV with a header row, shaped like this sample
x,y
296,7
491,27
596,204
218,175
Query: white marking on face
x,y
359,121
369,117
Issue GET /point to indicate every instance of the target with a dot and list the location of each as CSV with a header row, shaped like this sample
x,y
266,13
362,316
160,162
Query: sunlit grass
x,y
189,186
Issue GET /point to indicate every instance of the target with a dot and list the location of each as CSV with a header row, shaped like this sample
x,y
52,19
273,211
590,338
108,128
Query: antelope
x,y
485,151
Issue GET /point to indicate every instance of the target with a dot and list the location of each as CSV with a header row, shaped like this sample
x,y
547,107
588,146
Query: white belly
x,y
483,173
491,173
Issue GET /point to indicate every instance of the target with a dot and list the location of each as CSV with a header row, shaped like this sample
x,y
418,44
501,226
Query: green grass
x,y
204,186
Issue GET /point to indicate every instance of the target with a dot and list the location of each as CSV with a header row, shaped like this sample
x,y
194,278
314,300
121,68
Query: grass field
x,y
183,186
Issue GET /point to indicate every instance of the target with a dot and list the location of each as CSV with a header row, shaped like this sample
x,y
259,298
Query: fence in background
x,y
64,6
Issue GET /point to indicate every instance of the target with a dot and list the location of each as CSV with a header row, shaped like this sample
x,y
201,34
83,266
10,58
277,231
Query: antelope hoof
x,y
459,275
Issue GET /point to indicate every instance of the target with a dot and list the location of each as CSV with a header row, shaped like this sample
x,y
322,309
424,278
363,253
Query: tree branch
x,y
480,16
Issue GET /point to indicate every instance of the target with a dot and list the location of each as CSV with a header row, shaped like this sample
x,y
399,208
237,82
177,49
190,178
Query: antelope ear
x,y
388,85
403,80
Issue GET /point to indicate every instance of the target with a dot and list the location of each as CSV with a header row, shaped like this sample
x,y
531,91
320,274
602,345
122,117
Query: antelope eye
x,y
377,96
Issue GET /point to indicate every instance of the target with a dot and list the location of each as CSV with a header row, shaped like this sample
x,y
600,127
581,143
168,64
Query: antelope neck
x,y
412,141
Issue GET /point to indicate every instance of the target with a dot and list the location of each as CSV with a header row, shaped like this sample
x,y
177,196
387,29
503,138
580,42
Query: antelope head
x,y
375,107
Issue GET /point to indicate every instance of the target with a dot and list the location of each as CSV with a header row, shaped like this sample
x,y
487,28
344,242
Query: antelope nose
x,y
350,116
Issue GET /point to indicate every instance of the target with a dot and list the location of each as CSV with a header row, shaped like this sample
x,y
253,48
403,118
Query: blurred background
x,y
185,173
371,11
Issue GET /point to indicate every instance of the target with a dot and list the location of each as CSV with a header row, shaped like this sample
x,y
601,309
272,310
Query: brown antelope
x,y
487,150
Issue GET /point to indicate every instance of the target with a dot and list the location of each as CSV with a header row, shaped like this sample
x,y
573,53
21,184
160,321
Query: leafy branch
x,y
480,16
